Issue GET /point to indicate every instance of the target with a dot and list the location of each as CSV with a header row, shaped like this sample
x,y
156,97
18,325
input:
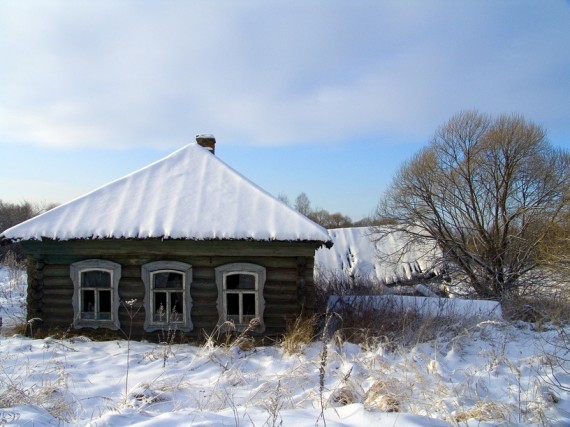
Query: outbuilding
x,y
186,243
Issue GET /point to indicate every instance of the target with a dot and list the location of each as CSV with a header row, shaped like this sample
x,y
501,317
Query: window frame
x,y
76,270
147,272
260,274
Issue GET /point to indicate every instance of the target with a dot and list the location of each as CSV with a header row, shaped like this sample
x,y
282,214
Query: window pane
x,y
248,303
176,306
232,304
88,304
159,309
95,279
240,281
104,301
167,280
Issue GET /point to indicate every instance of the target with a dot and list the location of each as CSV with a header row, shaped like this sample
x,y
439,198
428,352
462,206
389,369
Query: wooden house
x,y
187,242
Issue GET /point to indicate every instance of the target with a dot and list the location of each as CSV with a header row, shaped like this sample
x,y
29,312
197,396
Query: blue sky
x,y
322,97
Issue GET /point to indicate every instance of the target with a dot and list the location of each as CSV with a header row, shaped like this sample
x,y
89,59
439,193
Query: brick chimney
x,y
207,141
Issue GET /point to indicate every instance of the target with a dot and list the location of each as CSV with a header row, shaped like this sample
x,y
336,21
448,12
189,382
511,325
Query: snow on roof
x,y
355,255
190,194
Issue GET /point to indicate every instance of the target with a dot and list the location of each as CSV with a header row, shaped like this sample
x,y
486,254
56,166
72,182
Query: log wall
x,y
289,287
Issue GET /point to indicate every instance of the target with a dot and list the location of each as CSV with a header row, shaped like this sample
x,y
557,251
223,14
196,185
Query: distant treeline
x,y
14,213
324,217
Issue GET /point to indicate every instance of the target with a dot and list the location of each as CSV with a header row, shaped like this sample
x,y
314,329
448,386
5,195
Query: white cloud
x,y
154,73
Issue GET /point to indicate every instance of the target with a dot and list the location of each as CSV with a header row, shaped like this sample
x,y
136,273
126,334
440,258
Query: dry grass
x,y
539,309
484,411
330,284
396,329
299,332
344,395
21,328
383,396
396,325
51,394
226,336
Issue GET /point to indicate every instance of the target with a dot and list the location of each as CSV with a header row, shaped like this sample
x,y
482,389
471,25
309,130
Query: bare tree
x,y
555,249
487,191
328,220
303,204
320,216
338,220
284,198
14,213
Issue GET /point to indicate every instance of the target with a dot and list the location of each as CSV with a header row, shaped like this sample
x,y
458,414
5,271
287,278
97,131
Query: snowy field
x,y
490,374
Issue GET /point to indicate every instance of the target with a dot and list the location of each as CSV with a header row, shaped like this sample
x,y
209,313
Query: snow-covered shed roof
x,y
190,194
355,254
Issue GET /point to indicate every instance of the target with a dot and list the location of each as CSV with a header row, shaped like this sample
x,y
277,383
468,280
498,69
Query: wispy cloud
x,y
142,73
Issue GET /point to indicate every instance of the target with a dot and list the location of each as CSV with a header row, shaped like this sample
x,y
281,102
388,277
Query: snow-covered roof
x,y
355,254
190,194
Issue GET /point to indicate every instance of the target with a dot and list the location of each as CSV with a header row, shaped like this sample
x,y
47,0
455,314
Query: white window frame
x,y
147,272
76,270
255,270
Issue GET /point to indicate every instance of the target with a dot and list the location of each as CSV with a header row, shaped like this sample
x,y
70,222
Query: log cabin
x,y
186,243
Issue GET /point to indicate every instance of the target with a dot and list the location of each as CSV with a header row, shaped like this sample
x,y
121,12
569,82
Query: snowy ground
x,y
490,374
12,297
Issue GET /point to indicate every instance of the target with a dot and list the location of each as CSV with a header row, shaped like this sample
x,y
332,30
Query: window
x,y
240,293
167,299
96,293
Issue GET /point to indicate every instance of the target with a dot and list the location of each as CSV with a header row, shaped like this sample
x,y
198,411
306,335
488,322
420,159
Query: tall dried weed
x,y
299,332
